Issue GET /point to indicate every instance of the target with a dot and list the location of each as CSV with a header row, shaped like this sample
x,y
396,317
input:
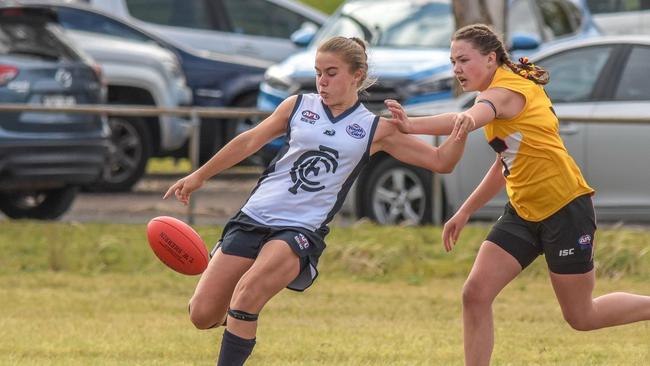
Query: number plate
x,y
59,100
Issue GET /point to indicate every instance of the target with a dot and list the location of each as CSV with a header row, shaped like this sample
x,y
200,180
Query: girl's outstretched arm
x,y
238,149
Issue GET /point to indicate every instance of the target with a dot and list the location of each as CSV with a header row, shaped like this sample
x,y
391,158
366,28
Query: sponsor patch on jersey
x,y
355,131
584,241
302,241
309,117
330,132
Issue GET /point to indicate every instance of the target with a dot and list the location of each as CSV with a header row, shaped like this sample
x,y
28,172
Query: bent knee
x,y
579,322
205,318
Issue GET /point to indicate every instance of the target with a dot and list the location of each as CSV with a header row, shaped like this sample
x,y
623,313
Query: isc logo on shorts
x,y
566,252
302,241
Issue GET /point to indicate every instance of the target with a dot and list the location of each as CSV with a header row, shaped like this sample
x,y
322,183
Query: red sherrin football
x,y
177,245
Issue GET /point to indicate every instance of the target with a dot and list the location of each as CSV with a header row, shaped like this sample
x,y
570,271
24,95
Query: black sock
x,y
234,350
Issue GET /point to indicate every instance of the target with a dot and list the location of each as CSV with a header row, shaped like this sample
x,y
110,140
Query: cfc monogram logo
x,y
308,167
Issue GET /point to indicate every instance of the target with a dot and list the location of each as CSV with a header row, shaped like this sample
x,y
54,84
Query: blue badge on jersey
x,y
355,131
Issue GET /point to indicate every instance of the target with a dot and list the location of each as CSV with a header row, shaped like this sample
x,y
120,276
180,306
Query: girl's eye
x,y
331,74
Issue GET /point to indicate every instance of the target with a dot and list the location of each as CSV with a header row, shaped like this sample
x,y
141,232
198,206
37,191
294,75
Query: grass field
x,y
90,294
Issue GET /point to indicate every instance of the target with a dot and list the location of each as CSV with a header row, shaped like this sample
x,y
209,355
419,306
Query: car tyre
x,y
41,205
398,194
129,152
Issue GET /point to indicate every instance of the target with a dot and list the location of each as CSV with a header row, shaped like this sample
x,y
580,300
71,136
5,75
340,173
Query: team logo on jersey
x,y
309,166
355,131
309,117
330,132
584,242
302,241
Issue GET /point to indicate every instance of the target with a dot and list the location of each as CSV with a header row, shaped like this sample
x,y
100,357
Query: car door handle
x,y
569,129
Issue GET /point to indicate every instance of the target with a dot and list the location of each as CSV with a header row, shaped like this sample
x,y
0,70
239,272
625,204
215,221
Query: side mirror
x,y
304,35
524,42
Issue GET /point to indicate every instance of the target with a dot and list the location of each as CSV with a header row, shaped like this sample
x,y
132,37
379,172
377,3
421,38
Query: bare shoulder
x,y
286,107
384,128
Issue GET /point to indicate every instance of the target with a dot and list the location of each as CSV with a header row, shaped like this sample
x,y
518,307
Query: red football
x,y
177,245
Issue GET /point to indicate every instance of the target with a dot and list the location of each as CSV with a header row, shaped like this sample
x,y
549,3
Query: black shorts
x,y
566,238
244,237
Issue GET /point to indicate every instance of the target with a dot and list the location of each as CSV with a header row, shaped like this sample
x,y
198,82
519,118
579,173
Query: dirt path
x,y
215,202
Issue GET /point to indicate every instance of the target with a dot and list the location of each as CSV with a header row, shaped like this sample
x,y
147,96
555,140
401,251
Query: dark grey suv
x,y
44,157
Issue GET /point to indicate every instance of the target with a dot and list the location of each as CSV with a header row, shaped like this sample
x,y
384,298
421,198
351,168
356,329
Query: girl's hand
x,y
184,187
465,124
451,230
400,118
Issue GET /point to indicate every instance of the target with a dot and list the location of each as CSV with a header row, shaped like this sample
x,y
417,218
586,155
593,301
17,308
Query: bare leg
x,y
493,269
275,267
210,301
574,293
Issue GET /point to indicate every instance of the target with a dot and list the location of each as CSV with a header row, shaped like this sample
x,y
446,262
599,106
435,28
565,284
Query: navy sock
x,y
234,350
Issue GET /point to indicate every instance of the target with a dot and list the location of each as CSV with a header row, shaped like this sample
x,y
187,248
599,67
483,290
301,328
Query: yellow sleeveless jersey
x,y
541,176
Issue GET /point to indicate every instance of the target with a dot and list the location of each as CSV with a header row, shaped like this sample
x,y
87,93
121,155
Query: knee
x,y
248,295
474,294
580,322
204,317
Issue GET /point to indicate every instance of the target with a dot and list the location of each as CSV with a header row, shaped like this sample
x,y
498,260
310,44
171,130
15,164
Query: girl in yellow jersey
x,y
550,210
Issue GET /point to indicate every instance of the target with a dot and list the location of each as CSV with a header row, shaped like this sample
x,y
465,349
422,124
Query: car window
x,y
635,80
573,74
33,40
76,19
393,23
615,6
521,9
262,18
557,21
178,13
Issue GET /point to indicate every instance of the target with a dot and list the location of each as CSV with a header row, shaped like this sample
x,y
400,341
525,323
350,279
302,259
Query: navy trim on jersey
x,y
342,115
345,188
283,150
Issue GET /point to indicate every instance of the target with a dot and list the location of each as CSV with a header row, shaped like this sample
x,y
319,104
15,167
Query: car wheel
x,y
42,205
216,133
129,152
398,194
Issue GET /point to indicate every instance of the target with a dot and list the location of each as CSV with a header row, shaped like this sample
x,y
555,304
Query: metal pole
x,y
437,192
195,139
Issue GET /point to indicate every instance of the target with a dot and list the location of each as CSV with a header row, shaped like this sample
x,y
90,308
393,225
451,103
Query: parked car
x,y
621,17
255,28
409,51
137,73
45,157
614,83
215,80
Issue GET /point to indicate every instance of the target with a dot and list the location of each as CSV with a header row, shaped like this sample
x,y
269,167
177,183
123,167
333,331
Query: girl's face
x,y
473,70
334,81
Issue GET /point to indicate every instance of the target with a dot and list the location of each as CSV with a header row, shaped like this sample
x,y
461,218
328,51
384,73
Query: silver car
x,y
599,77
255,28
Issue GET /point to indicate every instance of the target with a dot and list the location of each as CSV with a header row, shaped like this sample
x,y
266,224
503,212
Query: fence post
x,y
194,144
437,192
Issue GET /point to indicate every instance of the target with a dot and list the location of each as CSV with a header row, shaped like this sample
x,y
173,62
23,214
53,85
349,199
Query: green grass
x,y
91,294
326,6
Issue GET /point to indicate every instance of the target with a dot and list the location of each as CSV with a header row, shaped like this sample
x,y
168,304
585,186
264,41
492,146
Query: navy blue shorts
x,y
244,237
565,238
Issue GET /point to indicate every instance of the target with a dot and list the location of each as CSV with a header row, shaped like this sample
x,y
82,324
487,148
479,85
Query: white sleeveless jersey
x,y
308,180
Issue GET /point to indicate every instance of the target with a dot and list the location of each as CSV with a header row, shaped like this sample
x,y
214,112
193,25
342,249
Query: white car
x,y
255,28
621,17
606,77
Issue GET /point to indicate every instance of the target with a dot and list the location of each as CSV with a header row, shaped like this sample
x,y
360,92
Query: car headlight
x,y
173,67
277,79
431,85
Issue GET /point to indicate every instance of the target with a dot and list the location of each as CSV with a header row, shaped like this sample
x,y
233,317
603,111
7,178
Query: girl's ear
x,y
357,77
492,58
